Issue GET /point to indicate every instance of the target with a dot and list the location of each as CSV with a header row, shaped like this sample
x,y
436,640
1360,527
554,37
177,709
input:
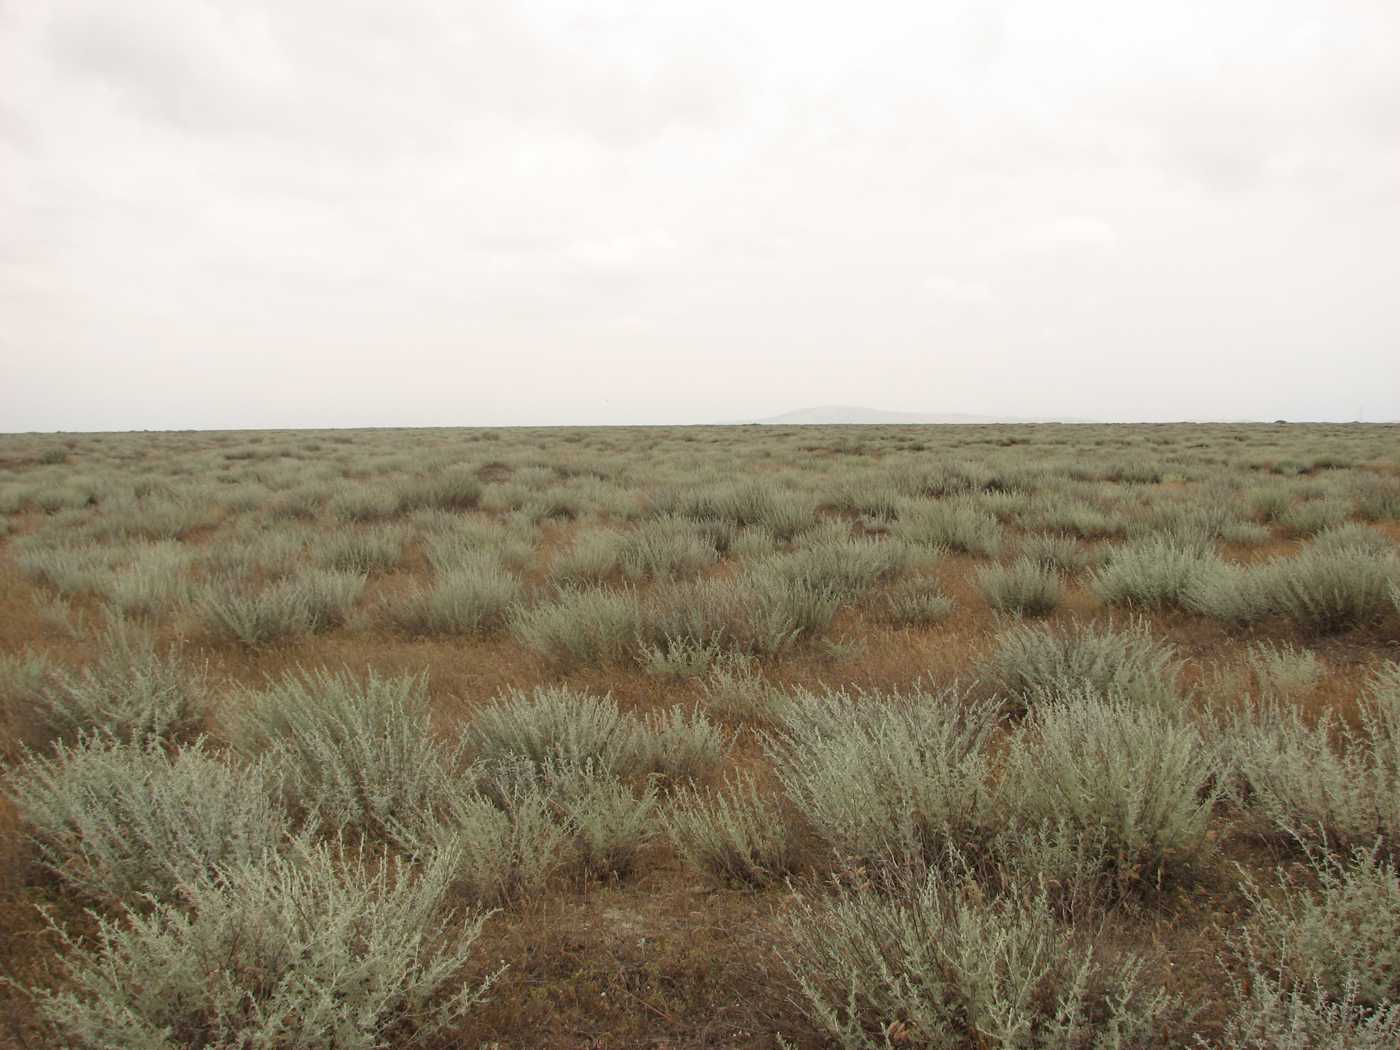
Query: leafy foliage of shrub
x,y
1031,662
303,952
1023,587
886,779
734,835
945,966
117,819
355,754
1141,779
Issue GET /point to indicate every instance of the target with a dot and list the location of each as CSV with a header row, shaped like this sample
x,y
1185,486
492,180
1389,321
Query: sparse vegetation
x,y
287,711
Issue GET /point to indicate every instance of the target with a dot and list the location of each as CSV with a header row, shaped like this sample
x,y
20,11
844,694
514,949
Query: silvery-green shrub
x,y
117,820
354,753
307,951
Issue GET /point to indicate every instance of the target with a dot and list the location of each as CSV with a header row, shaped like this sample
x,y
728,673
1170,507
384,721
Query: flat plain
x,y
1060,736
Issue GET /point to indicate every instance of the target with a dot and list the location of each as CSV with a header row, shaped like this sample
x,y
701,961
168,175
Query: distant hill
x,y
828,415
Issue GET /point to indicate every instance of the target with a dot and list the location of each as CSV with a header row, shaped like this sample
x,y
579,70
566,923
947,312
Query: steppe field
x,y
991,737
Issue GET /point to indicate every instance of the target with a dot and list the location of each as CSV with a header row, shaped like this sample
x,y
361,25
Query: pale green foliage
x,y
451,490
306,952
556,726
947,968
1151,572
955,524
680,657
842,566
1273,1015
609,821
581,626
1314,516
734,835
785,514
1245,533
684,744
1055,550
886,778
363,503
116,820
131,690
1030,662
354,753
762,612
362,551
665,548
315,600
594,557
1326,591
500,845
1023,587
1342,936
328,595
1352,537
472,597
1281,669
153,582
734,688
1106,766
915,603
559,728
1296,781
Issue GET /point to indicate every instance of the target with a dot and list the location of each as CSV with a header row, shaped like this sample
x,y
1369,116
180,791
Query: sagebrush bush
x,y
353,753
665,548
609,820
256,618
1314,516
1030,662
560,728
1270,1014
117,820
132,691
734,688
915,603
1352,537
310,951
954,524
883,779
25,719
470,598
1024,587
556,726
735,835
1320,783
500,844
362,551
450,490
363,503
1328,591
684,744
944,966
581,626
1151,572
1342,936
1055,550
1281,669
595,557
844,567
679,657
1139,777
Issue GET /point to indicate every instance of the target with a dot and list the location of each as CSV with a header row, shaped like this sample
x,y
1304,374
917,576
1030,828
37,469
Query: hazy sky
x,y
306,212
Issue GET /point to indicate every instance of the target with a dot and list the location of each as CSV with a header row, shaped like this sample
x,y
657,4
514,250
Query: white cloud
x,y
203,200
954,291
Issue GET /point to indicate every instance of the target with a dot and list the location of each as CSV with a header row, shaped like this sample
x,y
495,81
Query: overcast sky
x,y
222,213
